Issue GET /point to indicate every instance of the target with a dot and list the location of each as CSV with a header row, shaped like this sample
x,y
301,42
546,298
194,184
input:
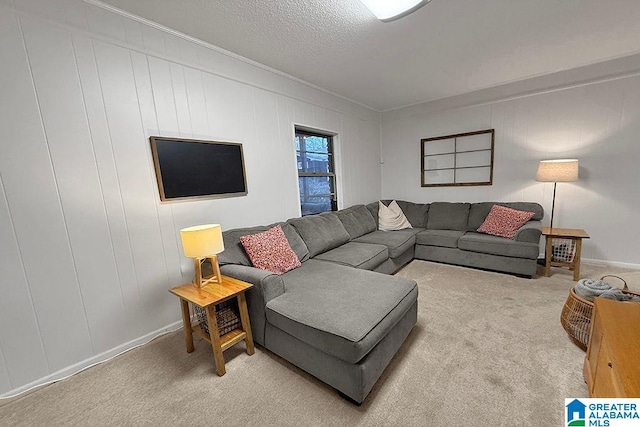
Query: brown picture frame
x,y
454,154
160,176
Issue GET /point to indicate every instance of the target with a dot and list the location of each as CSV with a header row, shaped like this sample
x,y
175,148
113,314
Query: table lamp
x,y
562,170
201,242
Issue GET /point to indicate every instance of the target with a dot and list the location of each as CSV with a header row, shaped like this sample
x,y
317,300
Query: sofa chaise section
x,y
345,329
348,315
354,380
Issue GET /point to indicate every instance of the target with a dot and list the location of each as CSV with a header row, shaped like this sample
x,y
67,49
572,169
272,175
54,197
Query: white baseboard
x,y
75,368
603,262
611,263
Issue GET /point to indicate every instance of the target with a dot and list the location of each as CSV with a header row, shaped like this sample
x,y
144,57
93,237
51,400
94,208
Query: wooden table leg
x,y
215,339
246,325
186,324
576,260
548,255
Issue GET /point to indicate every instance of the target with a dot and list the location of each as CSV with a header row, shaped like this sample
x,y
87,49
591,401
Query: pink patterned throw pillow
x,y
270,250
504,222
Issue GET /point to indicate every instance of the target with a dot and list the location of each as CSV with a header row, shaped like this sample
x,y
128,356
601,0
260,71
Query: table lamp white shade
x,y
562,170
200,242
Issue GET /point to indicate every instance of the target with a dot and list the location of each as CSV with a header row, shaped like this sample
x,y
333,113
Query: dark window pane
x,y
314,205
313,186
312,162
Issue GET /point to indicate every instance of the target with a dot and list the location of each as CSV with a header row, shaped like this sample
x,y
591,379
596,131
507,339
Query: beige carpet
x,y
488,349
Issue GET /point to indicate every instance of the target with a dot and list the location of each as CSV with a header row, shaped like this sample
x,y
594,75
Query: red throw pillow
x,y
504,222
270,250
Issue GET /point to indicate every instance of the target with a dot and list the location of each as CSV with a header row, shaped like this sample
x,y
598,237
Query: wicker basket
x,y
226,317
563,250
576,315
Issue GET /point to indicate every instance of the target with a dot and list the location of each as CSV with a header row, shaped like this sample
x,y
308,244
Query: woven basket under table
x,y
226,317
576,316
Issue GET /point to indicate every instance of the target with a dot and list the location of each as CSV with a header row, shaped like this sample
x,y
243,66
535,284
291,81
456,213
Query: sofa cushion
x,y
296,242
416,213
359,255
373,210
391,218
479,211
345,317
484,243
234,252
321,232
270,250
442,238
398,241
357,220
448,216
504,222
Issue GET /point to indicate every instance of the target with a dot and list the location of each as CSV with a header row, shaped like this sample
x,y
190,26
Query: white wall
x,y
87,251
597,123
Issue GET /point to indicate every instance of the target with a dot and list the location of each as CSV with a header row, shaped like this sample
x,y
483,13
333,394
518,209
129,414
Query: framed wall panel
x,y
461,159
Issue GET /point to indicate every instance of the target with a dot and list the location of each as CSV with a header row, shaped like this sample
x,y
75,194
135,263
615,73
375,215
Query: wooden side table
x,y
207,297
575,235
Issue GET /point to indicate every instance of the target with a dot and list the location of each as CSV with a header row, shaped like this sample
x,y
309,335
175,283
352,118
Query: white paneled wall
x,y
87,251
599,124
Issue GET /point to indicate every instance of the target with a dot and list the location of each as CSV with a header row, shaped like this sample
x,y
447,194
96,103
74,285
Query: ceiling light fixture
x,y
390,10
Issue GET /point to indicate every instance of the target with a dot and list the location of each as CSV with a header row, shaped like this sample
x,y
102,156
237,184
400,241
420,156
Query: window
x,y
316,173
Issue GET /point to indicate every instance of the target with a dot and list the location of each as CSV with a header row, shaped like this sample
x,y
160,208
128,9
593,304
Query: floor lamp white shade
x,y
561,170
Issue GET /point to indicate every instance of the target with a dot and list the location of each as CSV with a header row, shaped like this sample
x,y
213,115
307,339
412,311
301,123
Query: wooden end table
x,y
574,234
207,297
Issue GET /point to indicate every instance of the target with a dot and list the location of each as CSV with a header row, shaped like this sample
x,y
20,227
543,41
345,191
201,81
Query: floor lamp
x,y
562,170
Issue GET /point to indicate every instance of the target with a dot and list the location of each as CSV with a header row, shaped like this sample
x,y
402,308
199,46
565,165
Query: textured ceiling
x,y
446,48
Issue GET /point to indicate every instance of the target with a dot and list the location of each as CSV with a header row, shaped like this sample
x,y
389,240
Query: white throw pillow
x,y
391,217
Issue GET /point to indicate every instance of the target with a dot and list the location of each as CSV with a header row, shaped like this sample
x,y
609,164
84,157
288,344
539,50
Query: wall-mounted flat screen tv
x,y
189,168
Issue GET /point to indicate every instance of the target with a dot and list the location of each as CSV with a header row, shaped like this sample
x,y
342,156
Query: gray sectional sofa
x,y
337,317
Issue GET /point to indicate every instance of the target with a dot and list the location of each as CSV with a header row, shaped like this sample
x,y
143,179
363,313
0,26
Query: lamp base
x,y
216,277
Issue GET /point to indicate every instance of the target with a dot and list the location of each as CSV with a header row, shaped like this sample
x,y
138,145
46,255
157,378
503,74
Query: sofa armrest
x,y
266,286
270,284
530,232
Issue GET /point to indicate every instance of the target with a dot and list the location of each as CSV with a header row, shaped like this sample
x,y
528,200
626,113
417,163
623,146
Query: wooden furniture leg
x,y
576,260
215,339
547,256
246,325
186,324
